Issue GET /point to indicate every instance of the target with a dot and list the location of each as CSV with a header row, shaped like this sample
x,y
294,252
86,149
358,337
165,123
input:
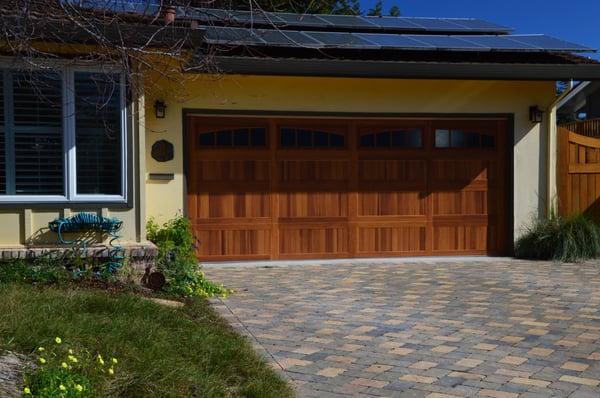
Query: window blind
x,y
98,133
38,133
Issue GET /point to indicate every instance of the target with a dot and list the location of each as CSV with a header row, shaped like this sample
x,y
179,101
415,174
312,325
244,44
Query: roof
x,y
257,42
577,98
389,47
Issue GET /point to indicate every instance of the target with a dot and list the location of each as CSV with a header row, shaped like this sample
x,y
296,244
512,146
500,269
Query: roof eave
x,y
405,70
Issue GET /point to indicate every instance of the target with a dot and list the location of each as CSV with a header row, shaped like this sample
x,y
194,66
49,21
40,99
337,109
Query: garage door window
x,y
234,138
392,139
445,138
307,138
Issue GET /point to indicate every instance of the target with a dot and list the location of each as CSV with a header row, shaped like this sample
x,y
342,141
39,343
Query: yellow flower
x,y
114,360
100,360
79,387
111,371
42,360
70,351
62,388
64,365
26,390
41,349
72,359
58,340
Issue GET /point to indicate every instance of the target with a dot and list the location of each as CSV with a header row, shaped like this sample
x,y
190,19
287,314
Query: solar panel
x,y
231,36
497,42
305,20
342,40
479,25
394,23
349,21
392,41
372,41
437,24
286,38
255,17
446,42
549,43
204,14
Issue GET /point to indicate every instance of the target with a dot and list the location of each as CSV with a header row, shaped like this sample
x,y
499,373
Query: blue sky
x,y
574,20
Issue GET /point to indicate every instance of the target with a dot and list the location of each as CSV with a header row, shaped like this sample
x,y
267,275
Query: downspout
x,y
552,150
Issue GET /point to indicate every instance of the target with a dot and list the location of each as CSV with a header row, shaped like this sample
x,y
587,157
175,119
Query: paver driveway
x,y
488,328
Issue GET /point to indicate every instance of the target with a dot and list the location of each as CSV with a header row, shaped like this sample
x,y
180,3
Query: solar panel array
x,y
343,22
367,41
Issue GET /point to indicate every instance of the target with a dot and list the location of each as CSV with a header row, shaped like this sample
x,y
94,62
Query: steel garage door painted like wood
x,y
304,188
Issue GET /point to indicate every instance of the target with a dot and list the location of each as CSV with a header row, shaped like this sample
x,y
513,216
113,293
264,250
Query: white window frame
x,y
69,147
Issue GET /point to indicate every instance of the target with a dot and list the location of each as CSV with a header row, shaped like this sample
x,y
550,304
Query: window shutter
x,y
98,133
38,134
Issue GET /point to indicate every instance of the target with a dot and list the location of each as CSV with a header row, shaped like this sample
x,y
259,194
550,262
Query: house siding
x,y
351,96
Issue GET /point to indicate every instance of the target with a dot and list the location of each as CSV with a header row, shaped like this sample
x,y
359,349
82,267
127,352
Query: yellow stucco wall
x,y
164,199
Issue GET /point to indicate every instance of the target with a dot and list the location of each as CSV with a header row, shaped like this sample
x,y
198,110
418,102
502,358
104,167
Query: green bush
x,y
54,268
37,271
66,372
177,260
560,239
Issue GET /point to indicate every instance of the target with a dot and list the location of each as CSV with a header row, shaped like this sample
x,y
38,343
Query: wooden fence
x,y
578,176
590,128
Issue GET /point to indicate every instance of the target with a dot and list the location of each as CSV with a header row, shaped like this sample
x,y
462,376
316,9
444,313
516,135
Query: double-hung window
x,y
62,136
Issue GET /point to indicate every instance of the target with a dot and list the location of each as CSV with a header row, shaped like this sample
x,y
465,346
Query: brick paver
x,y
500,329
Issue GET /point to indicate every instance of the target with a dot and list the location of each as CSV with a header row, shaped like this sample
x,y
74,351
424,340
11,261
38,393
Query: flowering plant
x,y
64,372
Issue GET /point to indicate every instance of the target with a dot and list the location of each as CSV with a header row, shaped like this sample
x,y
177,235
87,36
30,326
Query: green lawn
x,y
163,352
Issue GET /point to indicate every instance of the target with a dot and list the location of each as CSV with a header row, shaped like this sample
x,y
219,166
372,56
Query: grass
x,y
556,238
163,352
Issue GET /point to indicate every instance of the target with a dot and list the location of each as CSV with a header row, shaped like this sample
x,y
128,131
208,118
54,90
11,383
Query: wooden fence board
x,y
578,168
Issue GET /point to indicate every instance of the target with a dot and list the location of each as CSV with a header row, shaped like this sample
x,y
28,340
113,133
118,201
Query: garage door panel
x,y
460,171
302,240
313,204
238,242
223,171
392,240
232,205
406,171
392,203
460,238
460,203
292,171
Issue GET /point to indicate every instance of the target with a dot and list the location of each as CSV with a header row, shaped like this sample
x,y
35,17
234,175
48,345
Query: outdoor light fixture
x,y
536,115
160,109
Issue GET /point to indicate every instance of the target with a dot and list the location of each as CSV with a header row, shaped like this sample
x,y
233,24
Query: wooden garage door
x,y
305,188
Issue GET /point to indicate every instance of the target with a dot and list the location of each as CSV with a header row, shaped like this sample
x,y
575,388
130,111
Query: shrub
x,y
177,260
64,372
560,239
37,271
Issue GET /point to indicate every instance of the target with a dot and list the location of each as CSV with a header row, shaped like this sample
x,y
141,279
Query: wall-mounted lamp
x,y
160,109
536,115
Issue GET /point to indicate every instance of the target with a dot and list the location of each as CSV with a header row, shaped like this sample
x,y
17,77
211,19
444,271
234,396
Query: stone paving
x,y
496,329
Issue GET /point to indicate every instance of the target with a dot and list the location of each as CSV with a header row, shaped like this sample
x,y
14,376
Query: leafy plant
x,y
37,271
177,260
64,372
560,239
53,268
